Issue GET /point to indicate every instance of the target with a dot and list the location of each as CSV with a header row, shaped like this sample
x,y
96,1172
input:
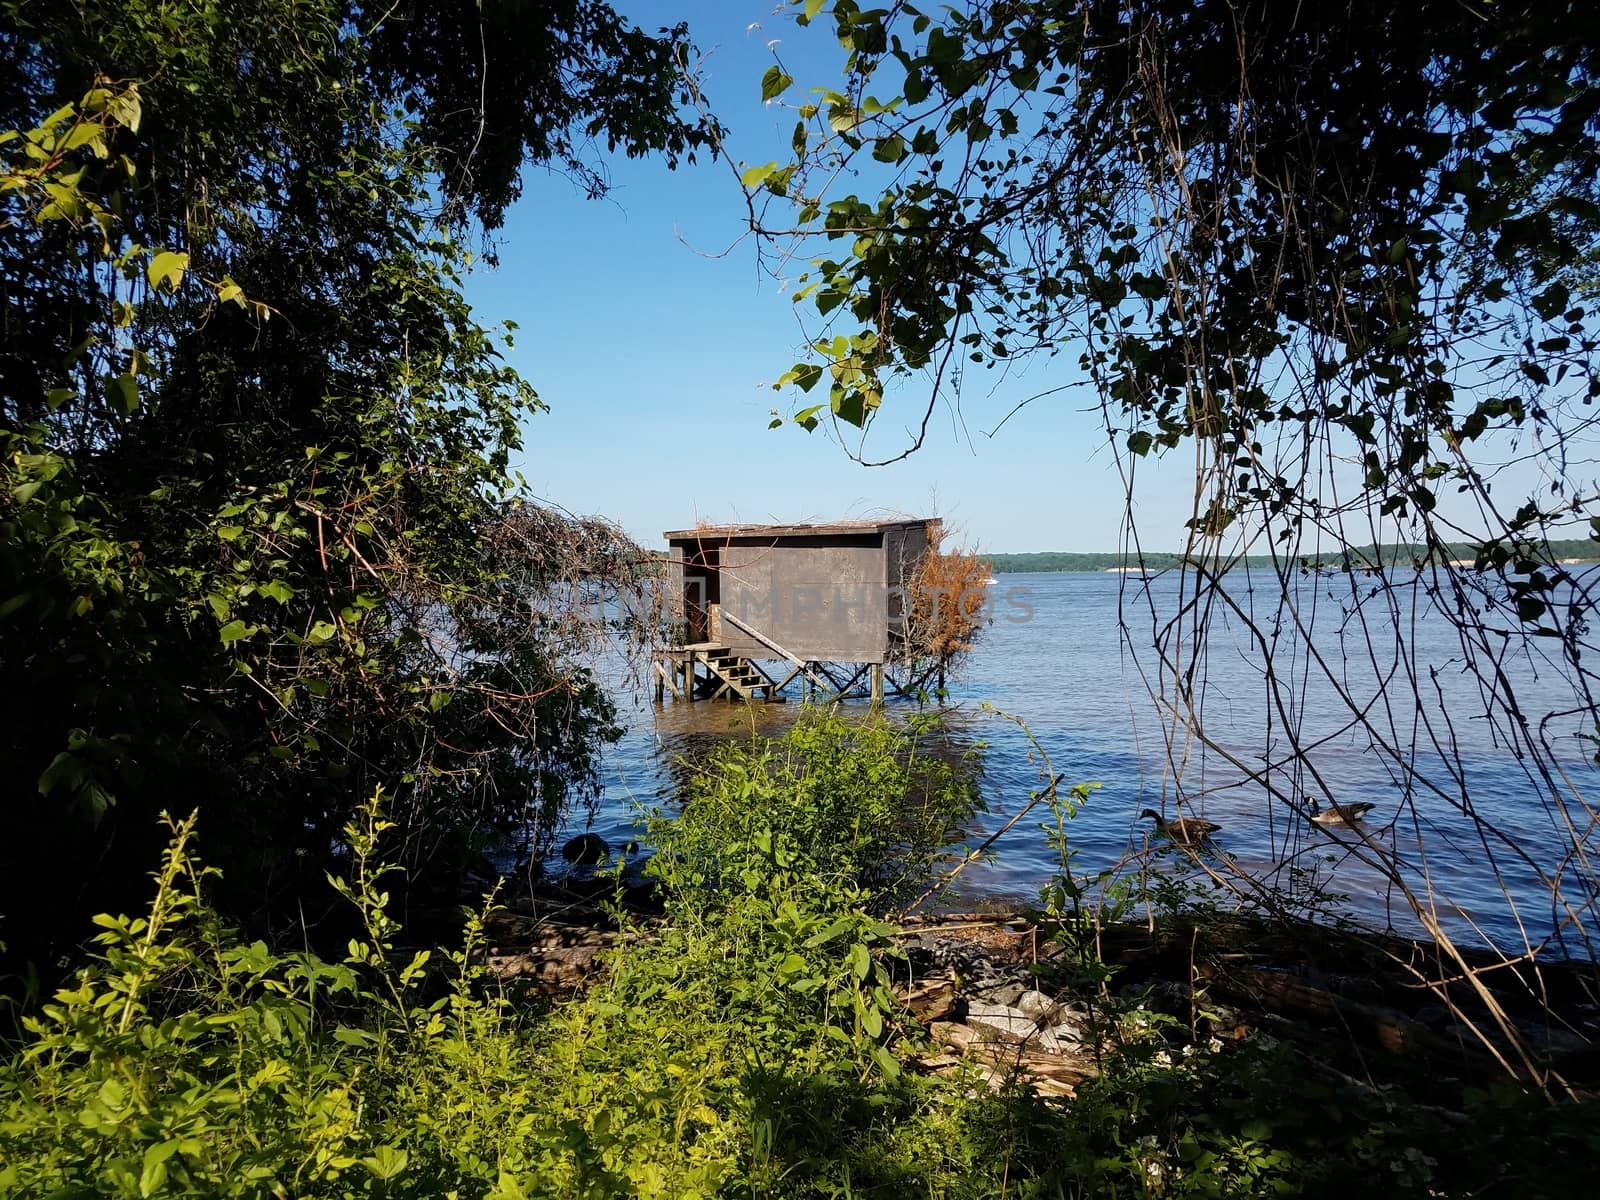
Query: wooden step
x,y
734,673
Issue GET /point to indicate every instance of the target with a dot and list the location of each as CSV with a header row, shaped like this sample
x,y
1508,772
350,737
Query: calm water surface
x,y
1054,657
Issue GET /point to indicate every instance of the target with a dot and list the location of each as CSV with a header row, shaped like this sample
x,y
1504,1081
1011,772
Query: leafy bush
x,y
184,1060
858,806
259,538
747,1047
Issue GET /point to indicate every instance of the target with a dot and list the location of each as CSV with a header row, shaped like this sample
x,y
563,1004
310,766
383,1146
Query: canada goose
x,y
1184,829
1340,814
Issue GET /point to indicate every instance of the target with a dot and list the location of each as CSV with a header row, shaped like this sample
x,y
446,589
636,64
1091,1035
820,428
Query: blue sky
x,y
653,335
656,361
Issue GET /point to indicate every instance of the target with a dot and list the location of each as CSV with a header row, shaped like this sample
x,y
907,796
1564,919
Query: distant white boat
x,y
989,582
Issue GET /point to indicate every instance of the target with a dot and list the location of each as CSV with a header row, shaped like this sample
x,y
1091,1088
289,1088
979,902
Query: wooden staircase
x,y
734,675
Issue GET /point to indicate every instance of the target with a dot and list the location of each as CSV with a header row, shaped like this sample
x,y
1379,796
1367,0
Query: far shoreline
x,y
1569,552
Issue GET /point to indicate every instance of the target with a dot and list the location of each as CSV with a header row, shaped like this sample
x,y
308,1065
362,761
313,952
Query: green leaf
x,y
321,632
386,1162
155,1166
802,375
843,118
754,177
778,182
167,267
126,109
275,1071
829,932
122,393
232,632
851,405
886,1063
889,149
774,83
1139,442
63,768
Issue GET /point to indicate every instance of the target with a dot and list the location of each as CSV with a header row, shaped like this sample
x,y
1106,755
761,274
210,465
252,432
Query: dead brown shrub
x,y
949,600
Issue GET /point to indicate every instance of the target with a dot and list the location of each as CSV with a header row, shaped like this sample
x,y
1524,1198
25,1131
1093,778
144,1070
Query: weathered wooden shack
x,y
826,603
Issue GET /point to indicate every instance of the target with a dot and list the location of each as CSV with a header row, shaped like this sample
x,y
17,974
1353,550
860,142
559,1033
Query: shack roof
x,y
823,529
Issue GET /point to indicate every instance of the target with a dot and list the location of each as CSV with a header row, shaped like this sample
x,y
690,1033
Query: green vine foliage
x,y
1255,227
255,443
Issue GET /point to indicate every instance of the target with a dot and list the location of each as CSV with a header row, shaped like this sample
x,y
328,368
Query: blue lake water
x,y
1460,811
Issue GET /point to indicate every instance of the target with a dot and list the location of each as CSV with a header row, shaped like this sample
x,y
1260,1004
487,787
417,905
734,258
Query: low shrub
x,y
861,810
747,1046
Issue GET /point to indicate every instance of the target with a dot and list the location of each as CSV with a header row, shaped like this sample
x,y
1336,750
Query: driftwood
x,y
1276,990
929,999
1377,1006
543,956
1356,1004
1048,1074
1407,999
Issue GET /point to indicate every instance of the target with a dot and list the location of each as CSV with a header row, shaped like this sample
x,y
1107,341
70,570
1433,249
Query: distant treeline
x,y
1361,556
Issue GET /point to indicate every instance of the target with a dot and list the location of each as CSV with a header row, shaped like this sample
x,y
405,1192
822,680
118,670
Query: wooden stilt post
x,y
688,677
661,682
877,685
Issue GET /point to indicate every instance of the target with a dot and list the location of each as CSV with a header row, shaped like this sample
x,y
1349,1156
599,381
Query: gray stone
x,y
1002,1023
1072,1026
1002,993
1036,1004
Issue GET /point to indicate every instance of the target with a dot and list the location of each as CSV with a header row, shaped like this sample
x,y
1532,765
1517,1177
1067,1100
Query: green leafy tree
x,y
258,545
